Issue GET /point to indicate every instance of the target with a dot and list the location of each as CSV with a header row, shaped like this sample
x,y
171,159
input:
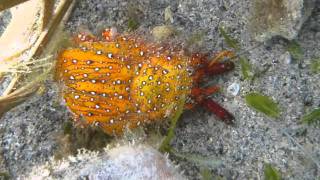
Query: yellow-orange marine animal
x,y
122,81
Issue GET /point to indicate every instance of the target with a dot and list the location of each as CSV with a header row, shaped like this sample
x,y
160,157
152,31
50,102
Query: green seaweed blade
x,y
229,40
315,65
270,173
246,68
312,117
295,50
263,104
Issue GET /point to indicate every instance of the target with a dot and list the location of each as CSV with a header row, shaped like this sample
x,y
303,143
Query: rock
x,y
122,162
234,89
162,32
279,18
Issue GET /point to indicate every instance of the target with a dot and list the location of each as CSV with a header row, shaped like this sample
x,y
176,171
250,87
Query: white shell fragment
x,y
234,89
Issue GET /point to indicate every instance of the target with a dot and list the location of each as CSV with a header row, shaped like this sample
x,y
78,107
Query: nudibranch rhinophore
x,y
121,81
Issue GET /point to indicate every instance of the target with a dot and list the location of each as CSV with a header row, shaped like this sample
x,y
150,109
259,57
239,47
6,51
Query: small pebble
x,y
234,89
287,58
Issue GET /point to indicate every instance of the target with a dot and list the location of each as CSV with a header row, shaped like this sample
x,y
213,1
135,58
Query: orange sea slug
x,y
122,81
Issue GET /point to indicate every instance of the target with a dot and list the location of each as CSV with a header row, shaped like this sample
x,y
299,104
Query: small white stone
x,y
234,89
287,58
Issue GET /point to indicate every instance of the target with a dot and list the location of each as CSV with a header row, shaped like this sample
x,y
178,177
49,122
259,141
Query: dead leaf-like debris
x,y
22,44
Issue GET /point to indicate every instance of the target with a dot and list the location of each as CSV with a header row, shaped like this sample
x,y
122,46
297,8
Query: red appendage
x,y
219,111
